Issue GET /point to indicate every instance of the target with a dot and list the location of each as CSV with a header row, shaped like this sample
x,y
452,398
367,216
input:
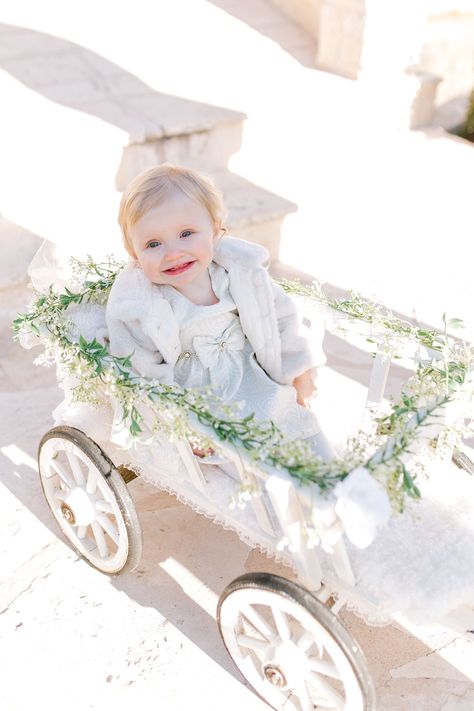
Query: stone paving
x,y
380,210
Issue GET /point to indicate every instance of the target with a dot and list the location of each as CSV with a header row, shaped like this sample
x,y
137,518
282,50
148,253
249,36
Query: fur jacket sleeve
x,y
141,324
301,346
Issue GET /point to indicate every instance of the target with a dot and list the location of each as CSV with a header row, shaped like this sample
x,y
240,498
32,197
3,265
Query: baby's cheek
x,y
149,267
147,259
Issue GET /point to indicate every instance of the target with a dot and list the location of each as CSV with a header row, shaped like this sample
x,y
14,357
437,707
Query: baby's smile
x,y
179,268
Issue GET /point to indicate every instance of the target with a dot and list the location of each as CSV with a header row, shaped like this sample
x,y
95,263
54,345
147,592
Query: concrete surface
x,y
385,212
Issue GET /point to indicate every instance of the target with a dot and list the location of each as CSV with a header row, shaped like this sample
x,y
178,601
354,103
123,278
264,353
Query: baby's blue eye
x,y
186,233
153,243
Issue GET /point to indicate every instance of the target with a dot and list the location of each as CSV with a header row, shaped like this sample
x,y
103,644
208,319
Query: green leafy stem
x,y
357,307
262,439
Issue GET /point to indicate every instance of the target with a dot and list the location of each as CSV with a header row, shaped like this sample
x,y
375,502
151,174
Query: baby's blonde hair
x,y
153,186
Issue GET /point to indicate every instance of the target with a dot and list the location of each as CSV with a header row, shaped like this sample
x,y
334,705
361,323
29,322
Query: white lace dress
x,y
216,352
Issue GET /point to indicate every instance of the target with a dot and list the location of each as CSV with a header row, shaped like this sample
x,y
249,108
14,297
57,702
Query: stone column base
x,y
404,101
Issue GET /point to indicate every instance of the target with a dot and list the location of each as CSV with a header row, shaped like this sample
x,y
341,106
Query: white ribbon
x,y
358,506
362,505
327,529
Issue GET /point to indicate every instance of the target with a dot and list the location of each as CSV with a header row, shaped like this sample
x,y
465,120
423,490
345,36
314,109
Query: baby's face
x,y
174,242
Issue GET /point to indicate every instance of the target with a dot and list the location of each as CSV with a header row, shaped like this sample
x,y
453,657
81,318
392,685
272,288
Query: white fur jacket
x,y
140,321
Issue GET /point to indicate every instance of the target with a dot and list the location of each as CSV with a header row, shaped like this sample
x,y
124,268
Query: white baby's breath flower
x,y
241,498
283,543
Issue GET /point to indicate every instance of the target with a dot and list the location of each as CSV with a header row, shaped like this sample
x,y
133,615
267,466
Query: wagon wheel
x,y
89,500
291,648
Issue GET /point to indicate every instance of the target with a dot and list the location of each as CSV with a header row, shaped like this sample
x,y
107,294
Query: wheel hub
x,y
274,675
78,507
68,514
284,665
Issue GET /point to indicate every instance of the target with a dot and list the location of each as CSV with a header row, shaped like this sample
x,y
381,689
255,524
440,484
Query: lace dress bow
x,y
218,354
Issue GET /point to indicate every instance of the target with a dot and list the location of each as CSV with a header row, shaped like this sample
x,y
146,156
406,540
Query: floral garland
x,y
356,307
435,383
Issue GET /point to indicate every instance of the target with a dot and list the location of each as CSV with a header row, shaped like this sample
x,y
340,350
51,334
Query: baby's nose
x,y
173,251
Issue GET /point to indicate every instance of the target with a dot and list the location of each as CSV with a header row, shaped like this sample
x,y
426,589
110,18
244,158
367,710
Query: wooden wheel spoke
x,y
281,622
256,645
62,475
257,621
105,506
303,696
81,531
100,539
305,642
322,667
75,468
109,527
92,475
327,691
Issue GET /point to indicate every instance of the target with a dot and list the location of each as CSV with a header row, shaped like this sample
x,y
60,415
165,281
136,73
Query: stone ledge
x,y
151,116
206,149
249,203
71,75
255,214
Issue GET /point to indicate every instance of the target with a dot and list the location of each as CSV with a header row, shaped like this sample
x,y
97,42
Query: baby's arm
x,y
128,339
301,349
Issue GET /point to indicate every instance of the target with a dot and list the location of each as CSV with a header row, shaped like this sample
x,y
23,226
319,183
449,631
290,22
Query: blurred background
x,y
332,126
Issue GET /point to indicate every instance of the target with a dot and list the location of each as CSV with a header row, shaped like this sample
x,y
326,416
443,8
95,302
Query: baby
x,y
195,307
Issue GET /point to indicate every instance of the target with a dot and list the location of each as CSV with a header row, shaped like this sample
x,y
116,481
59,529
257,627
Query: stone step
x,y
423,103
255,214
179,131
160,126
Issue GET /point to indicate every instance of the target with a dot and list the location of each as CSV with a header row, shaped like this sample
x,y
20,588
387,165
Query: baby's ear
x,y
218,232
130,251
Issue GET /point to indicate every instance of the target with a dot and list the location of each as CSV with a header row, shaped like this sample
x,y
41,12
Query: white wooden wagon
x,y
285,637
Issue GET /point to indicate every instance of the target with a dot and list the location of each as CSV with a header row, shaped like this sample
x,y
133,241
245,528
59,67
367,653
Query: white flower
x,y
362,506
283,543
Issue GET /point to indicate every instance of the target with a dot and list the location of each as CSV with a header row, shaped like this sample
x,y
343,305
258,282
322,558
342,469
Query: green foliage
x,y
358,308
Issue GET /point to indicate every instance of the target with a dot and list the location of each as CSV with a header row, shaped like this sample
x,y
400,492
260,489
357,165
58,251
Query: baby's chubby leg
x,y
200,452
305,388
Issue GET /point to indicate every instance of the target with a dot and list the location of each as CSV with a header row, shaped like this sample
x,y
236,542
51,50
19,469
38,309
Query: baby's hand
x,y
305,389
